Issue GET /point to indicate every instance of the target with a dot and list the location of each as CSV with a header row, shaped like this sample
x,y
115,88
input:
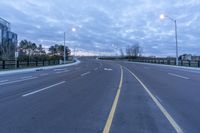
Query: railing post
x,y
28,63
198,63
17,64
4,64
189,63
49,62
181,62
36,63
43,62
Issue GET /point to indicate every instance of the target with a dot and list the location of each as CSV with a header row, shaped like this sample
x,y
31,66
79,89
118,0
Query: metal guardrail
x,y
12,64
187,63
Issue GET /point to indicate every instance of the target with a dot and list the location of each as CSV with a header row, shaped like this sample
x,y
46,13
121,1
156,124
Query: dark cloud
x,y
104,26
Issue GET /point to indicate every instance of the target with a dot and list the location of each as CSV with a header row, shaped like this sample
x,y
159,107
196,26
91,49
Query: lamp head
x,y
162,16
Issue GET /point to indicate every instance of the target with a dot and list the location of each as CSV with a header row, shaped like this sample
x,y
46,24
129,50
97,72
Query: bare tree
x,y
134,50
121,52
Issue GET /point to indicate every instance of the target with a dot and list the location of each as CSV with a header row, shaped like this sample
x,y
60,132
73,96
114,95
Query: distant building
x,y
8,41
196,58
186,57
189,57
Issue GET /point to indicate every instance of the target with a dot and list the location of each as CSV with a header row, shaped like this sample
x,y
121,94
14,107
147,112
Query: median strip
x,y
114,106
159,105
37,91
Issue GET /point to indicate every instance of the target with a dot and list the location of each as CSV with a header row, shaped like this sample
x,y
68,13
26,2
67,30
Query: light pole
x,y
162,16
73,30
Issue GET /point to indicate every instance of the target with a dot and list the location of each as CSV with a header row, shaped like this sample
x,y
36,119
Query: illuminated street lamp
x,y
73,30
162,17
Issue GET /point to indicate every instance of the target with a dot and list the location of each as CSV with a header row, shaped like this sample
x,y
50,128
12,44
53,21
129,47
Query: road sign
x,y
16,54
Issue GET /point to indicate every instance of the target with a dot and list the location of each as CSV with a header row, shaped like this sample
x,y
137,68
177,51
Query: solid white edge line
x,y
34,92
16,81
163,110
1,81
179,76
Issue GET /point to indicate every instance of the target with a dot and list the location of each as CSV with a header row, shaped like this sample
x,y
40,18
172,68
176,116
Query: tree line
x,y
31,51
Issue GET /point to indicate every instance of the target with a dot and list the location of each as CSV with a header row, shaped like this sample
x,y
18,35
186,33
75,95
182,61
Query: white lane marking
x,y
37,91
107,69
158,98
16,81
163,110
84,74
59,69
96,69
44,74
3,81
114,106
179,76
26,77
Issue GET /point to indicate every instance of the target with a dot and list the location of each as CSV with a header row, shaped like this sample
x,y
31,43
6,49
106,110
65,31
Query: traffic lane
x,y
80,105
136,111
15,89
193,75
179,96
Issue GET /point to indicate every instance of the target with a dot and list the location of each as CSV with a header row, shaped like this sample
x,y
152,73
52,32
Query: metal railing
x,y
188,63
12,64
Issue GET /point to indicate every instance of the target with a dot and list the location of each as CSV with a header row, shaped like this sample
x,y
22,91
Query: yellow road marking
x,y
112,112
159,105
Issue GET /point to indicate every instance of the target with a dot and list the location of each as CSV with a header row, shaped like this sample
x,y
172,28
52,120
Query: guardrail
x,y
187,63
12,64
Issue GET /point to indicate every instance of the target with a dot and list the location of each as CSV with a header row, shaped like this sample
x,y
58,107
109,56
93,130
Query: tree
x,y
134,50
58,51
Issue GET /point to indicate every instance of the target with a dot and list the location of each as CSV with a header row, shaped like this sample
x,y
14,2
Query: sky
x,y
105,26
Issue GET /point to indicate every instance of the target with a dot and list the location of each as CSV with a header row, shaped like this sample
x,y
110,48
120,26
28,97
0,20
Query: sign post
x,y
16,56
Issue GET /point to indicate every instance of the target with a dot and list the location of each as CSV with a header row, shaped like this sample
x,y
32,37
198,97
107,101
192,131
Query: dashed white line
x,y
159,105
1,81
16,81
84,74
37,91
179,76
26,77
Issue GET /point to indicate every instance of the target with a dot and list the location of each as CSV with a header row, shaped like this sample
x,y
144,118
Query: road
x,y
101,96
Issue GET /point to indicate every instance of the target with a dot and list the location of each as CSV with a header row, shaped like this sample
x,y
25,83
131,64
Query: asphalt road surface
x,y
101,96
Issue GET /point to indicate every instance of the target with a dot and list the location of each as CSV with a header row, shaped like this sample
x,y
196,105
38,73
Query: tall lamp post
x,y
162,16
73,30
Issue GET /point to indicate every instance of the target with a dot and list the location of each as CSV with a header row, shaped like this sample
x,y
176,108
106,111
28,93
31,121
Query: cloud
x,y
104,26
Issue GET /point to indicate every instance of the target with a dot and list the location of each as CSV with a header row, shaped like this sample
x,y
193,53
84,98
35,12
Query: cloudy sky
x,y
105,26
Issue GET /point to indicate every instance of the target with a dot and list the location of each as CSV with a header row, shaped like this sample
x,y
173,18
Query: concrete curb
x,y
37,69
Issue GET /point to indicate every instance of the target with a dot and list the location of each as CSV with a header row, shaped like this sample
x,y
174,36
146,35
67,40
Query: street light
x,y
73,30
162,17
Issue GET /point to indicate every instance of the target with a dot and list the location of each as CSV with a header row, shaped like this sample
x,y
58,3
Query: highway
x,y
98,96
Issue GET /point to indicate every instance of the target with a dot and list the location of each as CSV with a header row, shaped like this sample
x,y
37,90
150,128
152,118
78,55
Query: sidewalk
x,y
37,68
